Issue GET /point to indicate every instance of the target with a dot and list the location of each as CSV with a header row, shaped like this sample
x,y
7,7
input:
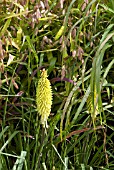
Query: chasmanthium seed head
x,y
44,97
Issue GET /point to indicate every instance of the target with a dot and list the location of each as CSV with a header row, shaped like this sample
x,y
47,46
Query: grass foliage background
x,y
74,41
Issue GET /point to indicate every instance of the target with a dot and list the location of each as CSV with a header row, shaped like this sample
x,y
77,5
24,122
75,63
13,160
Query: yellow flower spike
x,y
44,97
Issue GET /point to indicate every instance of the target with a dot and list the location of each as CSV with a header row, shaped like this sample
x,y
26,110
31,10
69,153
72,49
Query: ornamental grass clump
x,y
44,98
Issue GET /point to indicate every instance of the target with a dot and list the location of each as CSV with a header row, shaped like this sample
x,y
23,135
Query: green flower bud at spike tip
x,y
44,97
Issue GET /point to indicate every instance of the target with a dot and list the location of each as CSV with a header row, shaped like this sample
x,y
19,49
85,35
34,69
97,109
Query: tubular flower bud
x,y
92,104
44,97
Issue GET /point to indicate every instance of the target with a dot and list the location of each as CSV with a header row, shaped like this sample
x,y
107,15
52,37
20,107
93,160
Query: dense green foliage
x,y
74,41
